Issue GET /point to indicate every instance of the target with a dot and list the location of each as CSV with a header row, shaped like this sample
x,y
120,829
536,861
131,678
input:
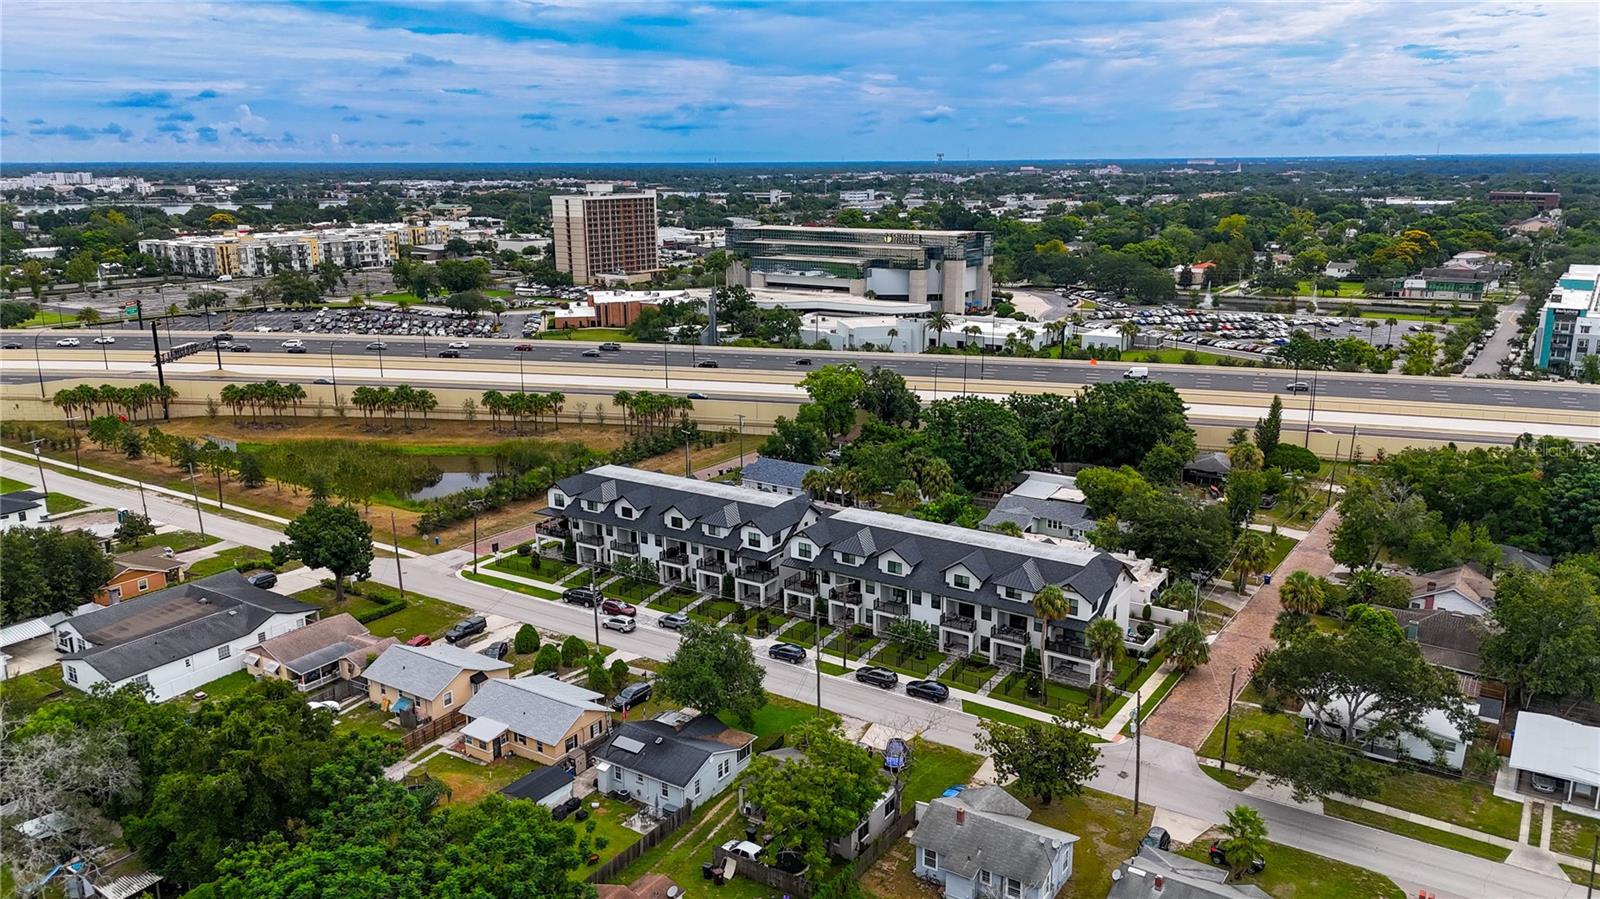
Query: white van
x,y
224,278
1137,373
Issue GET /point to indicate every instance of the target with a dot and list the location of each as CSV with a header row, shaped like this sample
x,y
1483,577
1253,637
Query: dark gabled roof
x,y
678,755
1532,561
538,784
985,829
700,502
1024,509
931,549
780,472
20,501
1447,639
133,637
1210,463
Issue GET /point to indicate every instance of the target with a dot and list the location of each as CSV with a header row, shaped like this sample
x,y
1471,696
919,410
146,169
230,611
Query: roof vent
x,y
961,816
658,741
233,611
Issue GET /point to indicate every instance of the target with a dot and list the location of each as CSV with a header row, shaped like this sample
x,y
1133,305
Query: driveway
x,y
1499,345
1194,707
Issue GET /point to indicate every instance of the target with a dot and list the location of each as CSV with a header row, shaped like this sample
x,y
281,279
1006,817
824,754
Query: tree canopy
x,y
715,671
331,537
1047,759
820,796
48,570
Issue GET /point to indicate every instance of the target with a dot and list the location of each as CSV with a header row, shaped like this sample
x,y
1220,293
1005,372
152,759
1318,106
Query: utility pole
x,y
72,420
143,503
161,377
399,575
1594,853
686,472
39,461
816,620
1138,745
741,440
194,488
333,375
1227,720
473,505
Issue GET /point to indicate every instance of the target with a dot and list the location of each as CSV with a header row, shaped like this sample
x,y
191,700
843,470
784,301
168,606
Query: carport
x,y
1564,750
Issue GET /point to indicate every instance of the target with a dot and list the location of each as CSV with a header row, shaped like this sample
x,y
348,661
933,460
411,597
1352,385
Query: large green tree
x,y
1047,759
48,570
715,671
981,440
331,537
1118,422
1544,636
820,796
835,391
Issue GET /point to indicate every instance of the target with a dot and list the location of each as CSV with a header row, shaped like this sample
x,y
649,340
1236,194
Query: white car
x,y
262,329
618,623
291,344
742,848
105,340
67,341
458,344
328,704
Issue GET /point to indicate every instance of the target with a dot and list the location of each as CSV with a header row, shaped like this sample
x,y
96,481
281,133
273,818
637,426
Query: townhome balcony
x,y
1018,635
1068,648
1133,642
710,565
890,607
553,527
848,595
803,584
1076,675
590,538
958,622
678,557
624,548
757,574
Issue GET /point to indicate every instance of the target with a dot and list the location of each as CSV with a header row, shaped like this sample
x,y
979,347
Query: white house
x,y
1464,588
980,843
1563,756
23,509
178,639
1441,742
666,764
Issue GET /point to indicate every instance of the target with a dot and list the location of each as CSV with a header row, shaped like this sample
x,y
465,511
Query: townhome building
x,y
713,538
863,567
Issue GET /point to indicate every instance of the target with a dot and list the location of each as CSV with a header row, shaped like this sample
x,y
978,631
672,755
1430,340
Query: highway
x,y
968,370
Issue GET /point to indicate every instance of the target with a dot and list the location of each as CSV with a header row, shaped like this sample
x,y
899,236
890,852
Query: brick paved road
x,y
1194,707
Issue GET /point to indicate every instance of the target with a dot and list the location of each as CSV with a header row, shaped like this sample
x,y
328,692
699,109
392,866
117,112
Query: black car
x,y
266,580
449,354
706,363
322,381
224,337
295,349
1218,857
497,650
631,695
802,362
696,396
931,690
239,348
591,354
13,345
878,677
581,596
788,652
465,628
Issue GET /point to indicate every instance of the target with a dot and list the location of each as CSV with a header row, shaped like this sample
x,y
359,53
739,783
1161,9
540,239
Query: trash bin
x,y
1266,579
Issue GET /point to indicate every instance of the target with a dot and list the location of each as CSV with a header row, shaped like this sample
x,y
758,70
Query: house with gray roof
x,y
975,588
980,842
1154,874
673,760
697,533
178,639
419,683
776,475
538,718
1043,503
23,509
312,657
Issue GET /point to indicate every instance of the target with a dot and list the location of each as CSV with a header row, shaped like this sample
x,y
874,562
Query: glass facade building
x,y
948,270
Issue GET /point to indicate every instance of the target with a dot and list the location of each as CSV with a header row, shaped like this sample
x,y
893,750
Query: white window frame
x,y
449,698
930,858
224,651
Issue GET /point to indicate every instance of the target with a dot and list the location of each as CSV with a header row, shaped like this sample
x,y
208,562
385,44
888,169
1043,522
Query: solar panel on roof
x,y
628,744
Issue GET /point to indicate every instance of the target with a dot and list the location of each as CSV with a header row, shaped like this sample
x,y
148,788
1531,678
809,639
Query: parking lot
x,y
392,322
1258,333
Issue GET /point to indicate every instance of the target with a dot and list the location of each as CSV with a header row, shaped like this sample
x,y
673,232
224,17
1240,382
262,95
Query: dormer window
x,y
753,538
558,500
893,567
849,559
802,550
627,512
677,522
590,505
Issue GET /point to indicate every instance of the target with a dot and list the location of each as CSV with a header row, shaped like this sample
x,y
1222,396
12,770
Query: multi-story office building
x,y
1569,323
1541,200
251,254
603,236
849,567
1451,284
947,269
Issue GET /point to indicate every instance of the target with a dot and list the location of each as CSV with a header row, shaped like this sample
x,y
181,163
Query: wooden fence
x,y
430,730
803,887
609,868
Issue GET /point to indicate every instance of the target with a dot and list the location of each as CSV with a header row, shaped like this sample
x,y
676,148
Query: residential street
x,y
1499,345
1171,778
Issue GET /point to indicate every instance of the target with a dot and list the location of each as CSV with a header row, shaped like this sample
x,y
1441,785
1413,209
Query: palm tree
x,y
1372,328
89,316
1391,321
1301,593
1049,604
940,322
1250,553
1129,331
494,401
974,332
1245,457
1186,646
893,333
1104,638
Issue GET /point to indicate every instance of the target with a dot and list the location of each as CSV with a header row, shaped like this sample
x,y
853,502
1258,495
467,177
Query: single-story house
x,y
1441,742
1559,750
1521,558
1153,874
538,718
1208,468
177,639
549,786
137,573
669,763
321,652
776,475
1447,639
1043,503
1340,269
849,845
980,842
420,683
647,886
23,509
1462,588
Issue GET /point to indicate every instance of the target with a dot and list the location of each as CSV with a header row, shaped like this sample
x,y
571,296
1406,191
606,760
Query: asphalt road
x,y
1565,397
1169,776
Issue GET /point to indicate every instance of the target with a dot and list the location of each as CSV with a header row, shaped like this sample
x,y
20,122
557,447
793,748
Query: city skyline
x,y
790,82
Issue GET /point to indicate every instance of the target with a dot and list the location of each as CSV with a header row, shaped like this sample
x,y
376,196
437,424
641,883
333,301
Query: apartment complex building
x,y
1569,323
247,253
948,269
849,566
1542,200
605,237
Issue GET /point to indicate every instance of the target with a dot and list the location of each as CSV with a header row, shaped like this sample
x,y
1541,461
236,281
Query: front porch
x,y
800,594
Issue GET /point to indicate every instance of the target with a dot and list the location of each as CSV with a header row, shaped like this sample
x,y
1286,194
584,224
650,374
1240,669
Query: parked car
x,y
878,677
420,640
611,347
631,695
742,849
499,649
787,652
618,623
466,627
1544,784
706,363
673,621
1157,838
67,341
266,580
581,596
618,607
1218,857
931,690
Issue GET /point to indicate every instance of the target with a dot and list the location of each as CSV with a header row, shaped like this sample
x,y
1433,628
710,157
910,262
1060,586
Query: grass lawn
x,y
1335,808
1535,824
179,541
1246,719
12,485
226,685
27,693
227,559
1003,716
671,601
535,567
1573,834
607,821
682,853
833,669
935,768
471,781
967,676
1464,802
806,634
851,644
630,590
367,719
1230,778
1177,356
714,610
1057,698
422,614
751,626
1108,832
1347,290
57,503
1295,874
905,660
1277,549
617,335
1580,876
513,586
777,716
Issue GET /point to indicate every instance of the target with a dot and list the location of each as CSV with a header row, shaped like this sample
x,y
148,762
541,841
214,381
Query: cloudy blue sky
x,y
578,81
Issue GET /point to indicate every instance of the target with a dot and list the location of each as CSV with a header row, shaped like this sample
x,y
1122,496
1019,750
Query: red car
x,y
420,640
618,607
523,347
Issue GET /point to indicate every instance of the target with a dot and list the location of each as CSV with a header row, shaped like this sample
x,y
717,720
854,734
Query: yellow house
x,y
538,718
427,682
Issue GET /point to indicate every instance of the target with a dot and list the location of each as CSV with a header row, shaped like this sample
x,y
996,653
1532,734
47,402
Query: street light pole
x,y
39,461
1138,745
195,490
380,364
741,440
72,422
473,505
399,575
105,357
38,366
1227,721
333,375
